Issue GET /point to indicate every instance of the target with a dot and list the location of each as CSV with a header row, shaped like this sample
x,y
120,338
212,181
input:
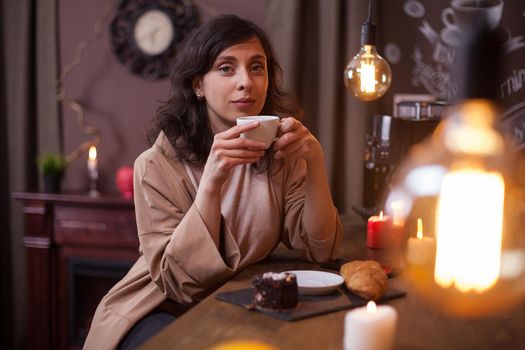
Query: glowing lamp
x,y
461,181
368,76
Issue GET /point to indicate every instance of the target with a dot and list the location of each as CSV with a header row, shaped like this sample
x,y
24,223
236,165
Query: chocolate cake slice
x,y
275,290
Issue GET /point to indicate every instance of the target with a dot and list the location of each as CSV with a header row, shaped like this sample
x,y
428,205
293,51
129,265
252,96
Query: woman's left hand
x,y
296,140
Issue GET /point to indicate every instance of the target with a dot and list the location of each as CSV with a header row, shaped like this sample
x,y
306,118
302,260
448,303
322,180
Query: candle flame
x,y
458,263
381,215
92,153
371,306
419,228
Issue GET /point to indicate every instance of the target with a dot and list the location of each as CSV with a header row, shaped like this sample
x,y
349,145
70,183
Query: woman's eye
x,y
225,69
258,68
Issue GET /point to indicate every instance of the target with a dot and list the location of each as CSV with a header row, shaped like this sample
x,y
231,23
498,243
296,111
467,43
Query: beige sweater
x,y
178,258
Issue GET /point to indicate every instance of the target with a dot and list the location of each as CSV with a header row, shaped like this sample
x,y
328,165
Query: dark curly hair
x,y
183,118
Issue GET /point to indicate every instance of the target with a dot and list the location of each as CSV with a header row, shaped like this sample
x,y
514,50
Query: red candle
x,y
377,231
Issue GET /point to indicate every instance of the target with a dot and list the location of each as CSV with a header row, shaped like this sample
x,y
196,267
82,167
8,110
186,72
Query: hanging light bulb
x,y
368,76
459,181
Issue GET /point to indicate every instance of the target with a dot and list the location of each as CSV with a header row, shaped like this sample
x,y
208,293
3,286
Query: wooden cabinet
x,y
77,247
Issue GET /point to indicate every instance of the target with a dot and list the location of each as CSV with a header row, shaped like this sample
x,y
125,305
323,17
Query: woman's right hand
x,y
227,151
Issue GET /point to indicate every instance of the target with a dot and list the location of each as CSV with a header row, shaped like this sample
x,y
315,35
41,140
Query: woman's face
x,y
236,84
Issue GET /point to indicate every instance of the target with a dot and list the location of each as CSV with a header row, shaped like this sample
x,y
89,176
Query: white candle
x,y
421,250
92,162
398,216
370,328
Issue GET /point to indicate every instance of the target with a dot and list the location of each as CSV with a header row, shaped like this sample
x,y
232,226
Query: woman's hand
x,y
228,151
297,140
319,214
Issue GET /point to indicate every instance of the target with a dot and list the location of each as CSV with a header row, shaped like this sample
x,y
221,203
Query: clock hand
x,y
153,35
150,34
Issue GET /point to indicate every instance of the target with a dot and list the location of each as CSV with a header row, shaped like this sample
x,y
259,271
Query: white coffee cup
x,y
265,132
464,13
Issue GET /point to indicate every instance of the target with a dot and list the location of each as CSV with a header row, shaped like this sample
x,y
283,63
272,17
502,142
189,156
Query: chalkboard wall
x,y
421,38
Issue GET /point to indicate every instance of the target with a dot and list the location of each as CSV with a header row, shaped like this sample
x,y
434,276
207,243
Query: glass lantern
x,y
459,195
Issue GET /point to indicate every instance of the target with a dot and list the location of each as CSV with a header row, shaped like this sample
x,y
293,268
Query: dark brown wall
x,y
119,103
425,46
122,104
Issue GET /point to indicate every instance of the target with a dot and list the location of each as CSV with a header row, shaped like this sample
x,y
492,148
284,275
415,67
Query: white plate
x,y
313,282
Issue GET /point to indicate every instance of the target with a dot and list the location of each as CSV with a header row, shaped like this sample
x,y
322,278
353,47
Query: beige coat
x,y
178,258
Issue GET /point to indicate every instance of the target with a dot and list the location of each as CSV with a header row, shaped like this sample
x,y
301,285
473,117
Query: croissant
x,y
365,278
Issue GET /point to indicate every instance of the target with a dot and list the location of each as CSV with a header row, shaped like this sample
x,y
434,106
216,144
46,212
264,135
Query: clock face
x,y
153,32
146,34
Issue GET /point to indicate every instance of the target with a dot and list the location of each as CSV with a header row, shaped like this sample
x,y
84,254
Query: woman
x,y
209,203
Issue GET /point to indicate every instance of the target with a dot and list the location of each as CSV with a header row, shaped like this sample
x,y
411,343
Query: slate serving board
x,y
309,305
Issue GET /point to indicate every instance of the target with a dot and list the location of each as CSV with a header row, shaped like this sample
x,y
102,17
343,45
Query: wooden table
x,y
419,326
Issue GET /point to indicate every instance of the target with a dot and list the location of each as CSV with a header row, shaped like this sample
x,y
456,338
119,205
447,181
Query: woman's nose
x,y
245,79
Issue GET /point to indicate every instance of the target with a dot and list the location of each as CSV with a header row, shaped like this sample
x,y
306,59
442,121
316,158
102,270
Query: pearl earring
x,y
199,95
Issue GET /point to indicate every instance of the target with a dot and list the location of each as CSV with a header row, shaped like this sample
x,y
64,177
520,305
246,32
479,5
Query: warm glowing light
x,y
461,181
371,307
368,77
242,344
419,228
476,136
381,215
420,250
92,153
397,213
469,230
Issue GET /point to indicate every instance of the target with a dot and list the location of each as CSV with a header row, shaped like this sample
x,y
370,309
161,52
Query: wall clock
x,y
145,34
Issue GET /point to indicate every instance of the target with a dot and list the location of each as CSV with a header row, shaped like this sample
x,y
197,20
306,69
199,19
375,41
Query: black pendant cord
x,y
368,29
370,8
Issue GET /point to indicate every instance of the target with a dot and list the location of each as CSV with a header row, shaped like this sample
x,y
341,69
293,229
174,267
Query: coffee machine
x,y
388,139
378,161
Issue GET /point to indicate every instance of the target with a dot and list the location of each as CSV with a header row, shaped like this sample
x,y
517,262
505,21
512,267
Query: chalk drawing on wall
x,y
430,70
433,77
513,43
414,8
513,125
513,83
513,119
392,53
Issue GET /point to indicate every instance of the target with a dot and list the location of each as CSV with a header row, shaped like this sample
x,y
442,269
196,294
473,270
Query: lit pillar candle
x,y
397,230
92,162
421,250
370,328
377,231
397,213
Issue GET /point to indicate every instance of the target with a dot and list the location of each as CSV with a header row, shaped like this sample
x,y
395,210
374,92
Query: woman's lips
x,y
243,103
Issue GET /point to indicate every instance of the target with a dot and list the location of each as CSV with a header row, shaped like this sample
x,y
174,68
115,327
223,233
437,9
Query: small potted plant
x,y
51,166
